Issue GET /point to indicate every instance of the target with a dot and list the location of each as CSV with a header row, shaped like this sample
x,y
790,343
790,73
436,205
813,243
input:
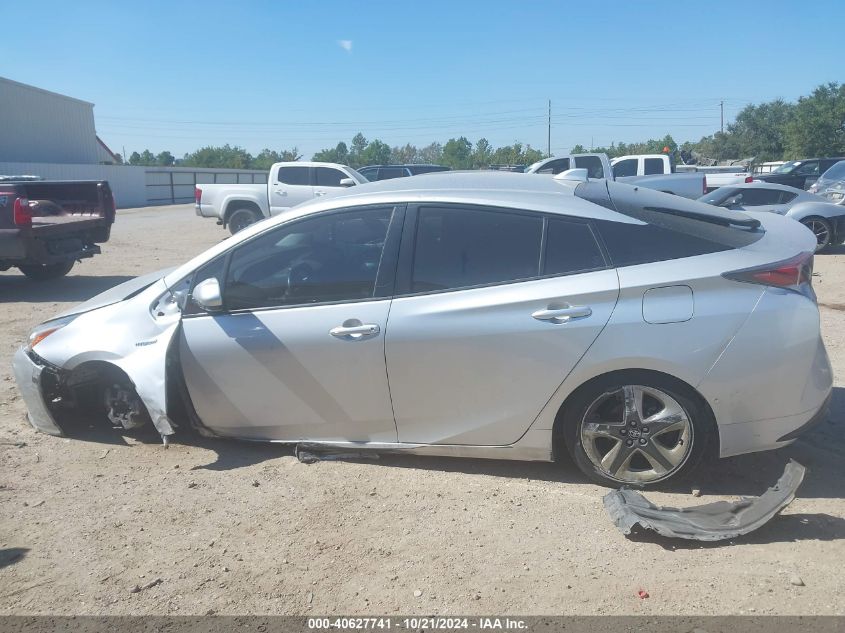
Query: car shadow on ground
x,y
821,450
12,555
75,288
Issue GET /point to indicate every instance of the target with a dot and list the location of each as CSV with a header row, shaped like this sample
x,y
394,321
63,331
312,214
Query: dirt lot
x,y
239,528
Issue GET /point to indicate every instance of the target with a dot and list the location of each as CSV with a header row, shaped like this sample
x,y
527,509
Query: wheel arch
x,y
234,205
637,375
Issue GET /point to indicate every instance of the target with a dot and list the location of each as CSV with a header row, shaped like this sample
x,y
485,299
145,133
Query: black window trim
x,y
385,278
311,176
404,271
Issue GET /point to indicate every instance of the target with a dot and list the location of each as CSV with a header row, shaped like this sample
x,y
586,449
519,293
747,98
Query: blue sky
x,y
180,75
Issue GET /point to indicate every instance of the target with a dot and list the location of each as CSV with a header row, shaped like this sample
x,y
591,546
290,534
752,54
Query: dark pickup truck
x,y
46,226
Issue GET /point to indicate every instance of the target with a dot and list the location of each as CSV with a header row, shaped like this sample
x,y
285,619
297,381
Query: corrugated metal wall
x,y
139,186
41,126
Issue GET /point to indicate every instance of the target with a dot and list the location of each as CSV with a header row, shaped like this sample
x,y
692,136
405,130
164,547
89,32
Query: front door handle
x,y
319,193
564,314
355,332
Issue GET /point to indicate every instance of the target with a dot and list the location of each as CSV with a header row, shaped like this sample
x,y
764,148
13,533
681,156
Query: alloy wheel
x,y
636,434
821,230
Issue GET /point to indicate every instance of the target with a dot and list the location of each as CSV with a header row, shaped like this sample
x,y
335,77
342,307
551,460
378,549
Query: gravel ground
x,y
111,524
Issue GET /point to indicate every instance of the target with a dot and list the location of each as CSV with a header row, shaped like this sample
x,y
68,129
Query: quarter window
x,y
570,247
294,175
328,258
457,248
555,166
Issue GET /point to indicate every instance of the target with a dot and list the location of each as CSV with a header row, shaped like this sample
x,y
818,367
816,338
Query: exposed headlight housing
x,y
46,329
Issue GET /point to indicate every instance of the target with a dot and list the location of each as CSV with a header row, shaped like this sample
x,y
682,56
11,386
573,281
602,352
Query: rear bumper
x,y
29,376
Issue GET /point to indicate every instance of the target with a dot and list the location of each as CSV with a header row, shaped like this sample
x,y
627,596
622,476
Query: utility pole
x,y
549,138
722,112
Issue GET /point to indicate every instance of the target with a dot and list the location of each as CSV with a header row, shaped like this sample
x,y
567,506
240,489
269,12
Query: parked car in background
x,y
46,226
477,314
831,184
289,184
799,173
633,172
767,167
657,171
719,175
825,220
374,173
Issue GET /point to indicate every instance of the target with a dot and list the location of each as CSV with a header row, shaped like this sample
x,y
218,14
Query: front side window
x,y
808,169
328,258
627,167
386,173
458,248
653,166
329,177
837,172
756,196
555,166
592,164
294,175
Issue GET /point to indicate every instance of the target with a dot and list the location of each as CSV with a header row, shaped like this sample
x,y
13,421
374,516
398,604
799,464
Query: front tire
x,y
636,428
242,218
45,272
823,231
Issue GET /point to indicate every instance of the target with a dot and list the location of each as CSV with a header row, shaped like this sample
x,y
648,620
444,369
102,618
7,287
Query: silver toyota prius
x,y
492,315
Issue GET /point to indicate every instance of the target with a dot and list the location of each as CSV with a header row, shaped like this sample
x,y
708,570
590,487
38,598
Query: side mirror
x,y
207,295
347,182
731,202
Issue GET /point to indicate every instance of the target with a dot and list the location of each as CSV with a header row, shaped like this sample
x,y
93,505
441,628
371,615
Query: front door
x,y
297,353
290,187
499,308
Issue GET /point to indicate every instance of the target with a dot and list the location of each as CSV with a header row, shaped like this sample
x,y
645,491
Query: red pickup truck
x,y
46,226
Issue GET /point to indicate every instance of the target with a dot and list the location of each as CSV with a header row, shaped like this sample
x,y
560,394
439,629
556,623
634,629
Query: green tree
x,y
134,158
432,154
817,127
265,159
483,154
376,153
457,153
227,156
290,155
405,155
359,144
578,149
165,159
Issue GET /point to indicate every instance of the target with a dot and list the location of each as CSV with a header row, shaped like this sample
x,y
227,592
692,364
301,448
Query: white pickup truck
x,y
289,184
642,170
656,171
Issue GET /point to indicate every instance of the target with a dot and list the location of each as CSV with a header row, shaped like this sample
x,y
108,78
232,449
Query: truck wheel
x,y
242,218
45,272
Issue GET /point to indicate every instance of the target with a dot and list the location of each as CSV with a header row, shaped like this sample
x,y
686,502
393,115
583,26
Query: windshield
x,y
718,196
358,176
787,167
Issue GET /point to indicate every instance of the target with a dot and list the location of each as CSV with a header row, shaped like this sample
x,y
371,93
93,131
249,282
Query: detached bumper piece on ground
x,y
710,522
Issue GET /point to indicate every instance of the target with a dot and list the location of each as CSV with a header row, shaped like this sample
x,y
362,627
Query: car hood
x,y
118,293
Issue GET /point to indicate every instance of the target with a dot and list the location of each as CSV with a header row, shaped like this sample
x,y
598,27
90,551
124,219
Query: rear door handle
x,y
563,315
355,332
281,193
319,193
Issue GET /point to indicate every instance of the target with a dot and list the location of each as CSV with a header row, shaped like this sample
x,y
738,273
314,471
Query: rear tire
x,y
45,272
823,231
239,219
664,436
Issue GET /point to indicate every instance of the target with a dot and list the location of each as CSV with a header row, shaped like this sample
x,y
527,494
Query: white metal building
x,y
45,127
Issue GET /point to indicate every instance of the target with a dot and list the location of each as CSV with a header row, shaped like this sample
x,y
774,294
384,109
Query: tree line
x,y
775,130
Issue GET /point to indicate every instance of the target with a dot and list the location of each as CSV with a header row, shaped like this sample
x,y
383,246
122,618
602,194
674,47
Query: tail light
x,y
749,179
197,195
793,274
22,212
704,185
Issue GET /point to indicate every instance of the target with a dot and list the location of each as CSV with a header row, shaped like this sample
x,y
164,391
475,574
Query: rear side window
x,y
294,175
627,167
757,196
571,247
386,173
653,166
458,248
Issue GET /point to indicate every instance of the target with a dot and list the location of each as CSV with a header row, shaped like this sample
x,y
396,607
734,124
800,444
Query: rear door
x,y
290,186
494,308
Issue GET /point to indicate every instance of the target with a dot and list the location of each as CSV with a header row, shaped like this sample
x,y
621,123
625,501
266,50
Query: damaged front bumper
x,y
709,522
31,374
